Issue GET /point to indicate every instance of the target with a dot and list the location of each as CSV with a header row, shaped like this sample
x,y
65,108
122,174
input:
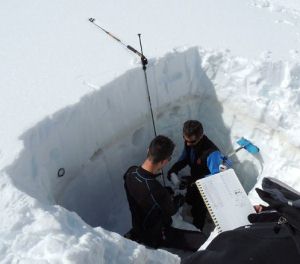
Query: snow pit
x,y
97,139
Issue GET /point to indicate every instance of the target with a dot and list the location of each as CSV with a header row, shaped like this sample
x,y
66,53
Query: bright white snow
x,y
74,98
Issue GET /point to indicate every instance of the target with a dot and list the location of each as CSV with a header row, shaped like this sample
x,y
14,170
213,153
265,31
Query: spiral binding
x,y
212,214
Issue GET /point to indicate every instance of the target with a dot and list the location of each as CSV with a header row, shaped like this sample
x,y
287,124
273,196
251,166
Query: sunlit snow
x,y
74,98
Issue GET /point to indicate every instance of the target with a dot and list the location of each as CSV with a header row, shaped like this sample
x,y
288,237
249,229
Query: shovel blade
x,y
247,145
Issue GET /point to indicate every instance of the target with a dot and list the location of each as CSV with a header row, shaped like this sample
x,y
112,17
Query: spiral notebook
x,y
226,200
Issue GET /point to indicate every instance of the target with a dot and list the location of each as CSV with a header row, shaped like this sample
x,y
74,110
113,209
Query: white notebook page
x,y
226,200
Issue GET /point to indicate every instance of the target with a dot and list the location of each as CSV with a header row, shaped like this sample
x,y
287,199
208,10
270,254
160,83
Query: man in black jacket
x,y
152,205
204,158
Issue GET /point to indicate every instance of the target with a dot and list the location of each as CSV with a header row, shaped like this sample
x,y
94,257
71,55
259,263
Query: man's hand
x,y
185,182
263,214
259,208
169,189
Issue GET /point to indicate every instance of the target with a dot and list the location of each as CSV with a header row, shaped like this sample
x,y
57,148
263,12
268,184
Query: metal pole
x,y
149,99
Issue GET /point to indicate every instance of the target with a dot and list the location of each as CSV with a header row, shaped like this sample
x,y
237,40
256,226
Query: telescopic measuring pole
x,y
143,58
144,63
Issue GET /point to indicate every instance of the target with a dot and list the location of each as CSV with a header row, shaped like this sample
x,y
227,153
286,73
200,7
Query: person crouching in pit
x,y
152,205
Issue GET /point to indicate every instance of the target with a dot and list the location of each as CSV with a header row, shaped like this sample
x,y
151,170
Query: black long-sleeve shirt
x,y
151,205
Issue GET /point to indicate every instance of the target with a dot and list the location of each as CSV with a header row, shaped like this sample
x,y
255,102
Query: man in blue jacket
x,y
204,158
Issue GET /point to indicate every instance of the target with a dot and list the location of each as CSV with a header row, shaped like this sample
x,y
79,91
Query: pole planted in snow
x,y
144,63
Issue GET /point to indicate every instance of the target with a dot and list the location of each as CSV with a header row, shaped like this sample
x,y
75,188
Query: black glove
x,y
179,200
170,190
185,182
265,216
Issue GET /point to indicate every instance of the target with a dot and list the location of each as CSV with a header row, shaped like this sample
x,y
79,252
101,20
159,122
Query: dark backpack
x,y
262,242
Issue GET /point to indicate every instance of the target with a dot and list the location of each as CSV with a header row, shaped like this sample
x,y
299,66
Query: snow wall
x,y
97,139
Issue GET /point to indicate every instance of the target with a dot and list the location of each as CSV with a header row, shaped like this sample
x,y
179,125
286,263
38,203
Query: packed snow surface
x,y
74,98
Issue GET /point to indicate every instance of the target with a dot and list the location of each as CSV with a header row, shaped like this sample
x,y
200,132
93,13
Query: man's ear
x,y
164,162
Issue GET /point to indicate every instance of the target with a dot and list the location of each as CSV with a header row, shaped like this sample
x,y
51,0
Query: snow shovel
x,y
244,144
247,145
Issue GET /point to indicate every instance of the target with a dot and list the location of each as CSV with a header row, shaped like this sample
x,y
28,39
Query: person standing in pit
x,y
204,158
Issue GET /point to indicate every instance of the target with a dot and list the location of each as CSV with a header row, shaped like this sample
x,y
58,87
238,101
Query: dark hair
x,y
192,128
160,148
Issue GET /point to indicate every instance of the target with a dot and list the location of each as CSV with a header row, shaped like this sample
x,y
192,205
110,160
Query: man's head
x,y
160,151
192,132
